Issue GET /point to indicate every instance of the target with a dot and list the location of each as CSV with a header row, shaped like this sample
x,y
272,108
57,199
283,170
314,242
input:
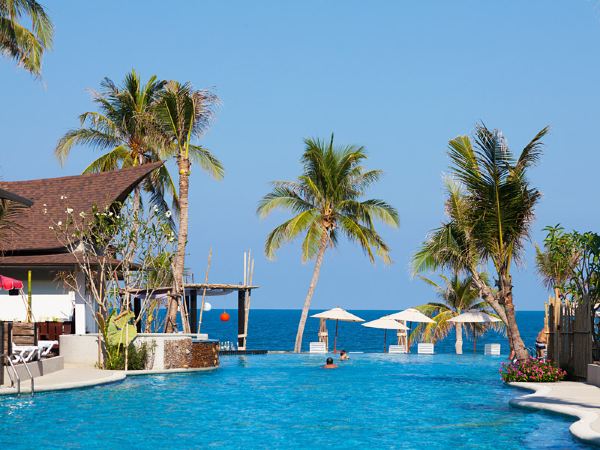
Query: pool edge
x,y
581,428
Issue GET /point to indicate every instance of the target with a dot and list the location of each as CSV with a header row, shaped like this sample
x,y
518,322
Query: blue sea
x,y
275,329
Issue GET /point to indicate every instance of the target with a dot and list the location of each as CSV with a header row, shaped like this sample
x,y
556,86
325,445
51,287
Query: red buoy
x,y
224,316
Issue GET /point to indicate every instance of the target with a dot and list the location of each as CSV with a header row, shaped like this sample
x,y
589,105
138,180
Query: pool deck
x,y
74,377
570,398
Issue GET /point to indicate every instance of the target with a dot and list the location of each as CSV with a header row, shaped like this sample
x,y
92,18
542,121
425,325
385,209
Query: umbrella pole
x,y
335,338
474,342
384,339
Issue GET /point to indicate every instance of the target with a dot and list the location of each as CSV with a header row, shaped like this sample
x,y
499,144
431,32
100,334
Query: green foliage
x,y
326,199
490,205
121,329
124,126
137,357
25,45
570,262
180,115
456,295
531,370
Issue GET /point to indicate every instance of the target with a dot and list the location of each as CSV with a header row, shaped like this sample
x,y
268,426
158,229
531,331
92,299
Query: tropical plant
x,y
124,127
556,262
183,114
326,200
490,208
25,45
457,295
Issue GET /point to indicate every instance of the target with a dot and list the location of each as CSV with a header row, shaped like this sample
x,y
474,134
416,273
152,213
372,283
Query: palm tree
x,y
490,208
325,200
457,295
25,45
124,128
183,114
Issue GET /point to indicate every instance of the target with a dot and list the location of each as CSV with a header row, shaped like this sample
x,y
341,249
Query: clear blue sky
x,y
401,78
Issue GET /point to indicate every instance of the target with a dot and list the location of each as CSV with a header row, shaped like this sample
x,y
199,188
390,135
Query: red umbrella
x,y
8,283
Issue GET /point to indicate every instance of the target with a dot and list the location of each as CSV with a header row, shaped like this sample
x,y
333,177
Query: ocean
x,y
275,329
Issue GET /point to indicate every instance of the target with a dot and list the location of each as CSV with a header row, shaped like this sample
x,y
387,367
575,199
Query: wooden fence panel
x,y
582,340
24,333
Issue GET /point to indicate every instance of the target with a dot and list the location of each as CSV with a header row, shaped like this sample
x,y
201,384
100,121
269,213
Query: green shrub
x,y
532,369
136,358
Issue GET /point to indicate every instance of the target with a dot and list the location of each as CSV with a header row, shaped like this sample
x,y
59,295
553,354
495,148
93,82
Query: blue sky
x,y
401,78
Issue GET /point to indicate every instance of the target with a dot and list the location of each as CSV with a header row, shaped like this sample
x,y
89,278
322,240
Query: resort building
x,y
32,244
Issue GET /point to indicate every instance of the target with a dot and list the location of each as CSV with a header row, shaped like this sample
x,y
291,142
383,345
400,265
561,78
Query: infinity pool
x,y
288,401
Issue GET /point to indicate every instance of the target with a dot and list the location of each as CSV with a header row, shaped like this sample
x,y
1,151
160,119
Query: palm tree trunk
x,y
311,290
184,173
514,336
459,340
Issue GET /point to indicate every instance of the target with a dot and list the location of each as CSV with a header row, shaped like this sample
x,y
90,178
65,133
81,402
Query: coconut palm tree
x,y
457,295
183,114
25,45
490,207
326,201
123,127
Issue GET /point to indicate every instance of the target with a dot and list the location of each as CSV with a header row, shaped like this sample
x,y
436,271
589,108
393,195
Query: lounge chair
x,y
317,347
24,353
492,349
45,347
425,348
397,349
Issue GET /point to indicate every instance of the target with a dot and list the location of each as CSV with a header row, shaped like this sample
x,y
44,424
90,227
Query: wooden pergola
x,y
193,291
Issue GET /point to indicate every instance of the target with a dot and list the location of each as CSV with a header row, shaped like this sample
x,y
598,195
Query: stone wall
x,y
178,354
205,354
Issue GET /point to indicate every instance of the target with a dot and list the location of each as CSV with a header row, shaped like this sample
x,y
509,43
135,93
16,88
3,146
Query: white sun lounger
x,y
317,347
492,349
45,347
397,349
425,348
24,353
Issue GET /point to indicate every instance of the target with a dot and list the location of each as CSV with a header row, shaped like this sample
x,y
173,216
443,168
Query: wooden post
x,y
137,310
241,319
194,310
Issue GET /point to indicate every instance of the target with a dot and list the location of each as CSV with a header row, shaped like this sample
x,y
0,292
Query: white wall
x,y
50,299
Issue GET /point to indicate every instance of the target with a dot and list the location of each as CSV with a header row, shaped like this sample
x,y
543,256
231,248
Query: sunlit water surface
x,y
288,401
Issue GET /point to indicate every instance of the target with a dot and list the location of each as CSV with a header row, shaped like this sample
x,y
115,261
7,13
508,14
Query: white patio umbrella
x,y
337,314
385,324
474,316
410,315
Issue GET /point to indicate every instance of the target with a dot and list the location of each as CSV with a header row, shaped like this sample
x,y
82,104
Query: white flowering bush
x,y
120,251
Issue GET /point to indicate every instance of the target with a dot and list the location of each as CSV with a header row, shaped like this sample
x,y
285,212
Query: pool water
x,y
288,401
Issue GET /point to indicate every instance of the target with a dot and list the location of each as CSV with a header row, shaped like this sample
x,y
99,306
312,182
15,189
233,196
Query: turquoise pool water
x,y
288,401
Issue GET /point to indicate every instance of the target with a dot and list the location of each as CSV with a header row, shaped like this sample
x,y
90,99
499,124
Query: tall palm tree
x,y
183,114
123,127
490,207
25,45
326,200
457,295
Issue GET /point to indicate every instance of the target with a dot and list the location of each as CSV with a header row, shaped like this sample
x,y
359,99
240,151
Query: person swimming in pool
x,y
344,355
329,364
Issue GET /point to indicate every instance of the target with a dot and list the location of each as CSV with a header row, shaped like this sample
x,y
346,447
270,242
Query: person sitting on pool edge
x,y
329,364
344,355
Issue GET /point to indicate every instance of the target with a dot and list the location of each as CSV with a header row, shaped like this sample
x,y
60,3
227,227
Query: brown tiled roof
x,y
47,260
81,193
